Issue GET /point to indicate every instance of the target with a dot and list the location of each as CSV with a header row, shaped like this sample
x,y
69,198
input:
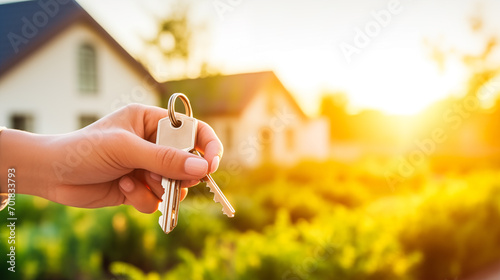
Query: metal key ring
x,y
171,110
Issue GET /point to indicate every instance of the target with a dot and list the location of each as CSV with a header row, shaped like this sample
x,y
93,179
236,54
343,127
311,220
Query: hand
x,y
114,161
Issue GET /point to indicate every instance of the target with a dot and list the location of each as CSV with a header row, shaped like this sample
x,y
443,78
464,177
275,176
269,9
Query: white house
x,y
60,70
256,117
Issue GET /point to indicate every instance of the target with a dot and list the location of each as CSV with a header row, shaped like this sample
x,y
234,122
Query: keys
x,y
227,209
183,138
179,131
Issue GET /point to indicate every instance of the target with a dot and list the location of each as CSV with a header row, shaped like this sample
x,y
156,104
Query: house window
x,y
87,120
22,122
265,138
87,69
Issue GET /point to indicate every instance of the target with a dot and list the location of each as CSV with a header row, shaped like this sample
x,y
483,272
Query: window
x,y
87,69
87,120
22,122
265,138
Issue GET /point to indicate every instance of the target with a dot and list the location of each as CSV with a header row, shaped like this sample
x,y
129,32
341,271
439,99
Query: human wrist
x,y
25,153
4,197
3,185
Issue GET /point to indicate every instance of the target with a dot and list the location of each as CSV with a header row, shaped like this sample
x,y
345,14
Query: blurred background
x,y
360,136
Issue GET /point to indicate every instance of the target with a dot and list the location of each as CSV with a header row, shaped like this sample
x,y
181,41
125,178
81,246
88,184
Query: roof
x,y
228,94
26,26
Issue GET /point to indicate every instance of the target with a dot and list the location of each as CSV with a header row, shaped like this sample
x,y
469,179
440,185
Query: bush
x,y
311,221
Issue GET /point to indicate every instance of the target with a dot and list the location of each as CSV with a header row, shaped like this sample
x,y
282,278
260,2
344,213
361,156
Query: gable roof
x,y
229,94
26,26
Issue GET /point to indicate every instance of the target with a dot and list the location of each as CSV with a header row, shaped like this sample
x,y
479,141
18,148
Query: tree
x,y
479,105
175,33
177,41
334,107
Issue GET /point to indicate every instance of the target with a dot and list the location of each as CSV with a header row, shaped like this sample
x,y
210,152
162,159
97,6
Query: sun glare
x,y
393,81
399,82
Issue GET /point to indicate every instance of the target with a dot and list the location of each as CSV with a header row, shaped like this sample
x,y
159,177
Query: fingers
x,y
165,161
210,145
184,193
138,195
146,199
154,176
189,184
151,116
153,180
169,162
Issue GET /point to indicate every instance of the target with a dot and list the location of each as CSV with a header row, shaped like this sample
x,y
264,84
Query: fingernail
x,y
215,164
126,184
155,176
196,166
192,183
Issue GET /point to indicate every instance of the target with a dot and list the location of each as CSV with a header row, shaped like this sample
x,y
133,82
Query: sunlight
x,y
382,163
399,81
394,81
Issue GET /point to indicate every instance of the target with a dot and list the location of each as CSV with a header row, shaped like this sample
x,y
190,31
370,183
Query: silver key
x,y
227,209
183,138
179,131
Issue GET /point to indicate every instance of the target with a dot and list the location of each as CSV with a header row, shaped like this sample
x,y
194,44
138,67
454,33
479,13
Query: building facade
x,y
60,74
256,117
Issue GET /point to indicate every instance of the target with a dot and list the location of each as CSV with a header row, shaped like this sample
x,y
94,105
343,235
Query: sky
x,y
375,51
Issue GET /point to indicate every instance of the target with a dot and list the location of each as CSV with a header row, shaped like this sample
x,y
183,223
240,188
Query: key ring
x,y
171,110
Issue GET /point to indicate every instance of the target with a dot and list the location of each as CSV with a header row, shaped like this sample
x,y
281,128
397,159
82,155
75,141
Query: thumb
x,y
167,161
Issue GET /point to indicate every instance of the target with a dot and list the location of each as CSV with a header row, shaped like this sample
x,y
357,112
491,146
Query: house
x,y
60,70
256,118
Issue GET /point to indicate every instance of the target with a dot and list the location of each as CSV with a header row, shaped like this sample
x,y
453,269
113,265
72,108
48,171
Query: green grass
x,y
311,221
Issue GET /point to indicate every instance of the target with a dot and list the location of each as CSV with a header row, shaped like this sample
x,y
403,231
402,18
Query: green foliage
x,y
452,241
311,221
